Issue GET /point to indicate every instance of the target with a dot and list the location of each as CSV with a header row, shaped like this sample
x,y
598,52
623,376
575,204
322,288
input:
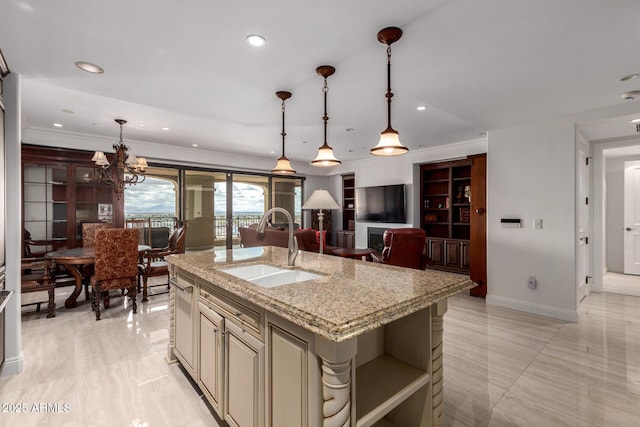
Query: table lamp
x,y
321,199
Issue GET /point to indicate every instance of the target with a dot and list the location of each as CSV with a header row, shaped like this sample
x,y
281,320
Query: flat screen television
x,y
383,203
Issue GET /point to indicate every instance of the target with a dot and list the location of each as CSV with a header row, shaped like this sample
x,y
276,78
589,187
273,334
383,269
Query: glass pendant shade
x,y
283,167
325,157
389,144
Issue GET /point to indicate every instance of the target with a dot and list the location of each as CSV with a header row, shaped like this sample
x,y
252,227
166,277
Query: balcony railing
x,y
219,222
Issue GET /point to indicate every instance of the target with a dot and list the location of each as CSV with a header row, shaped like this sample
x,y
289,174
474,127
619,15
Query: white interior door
x,y
632,217
583,223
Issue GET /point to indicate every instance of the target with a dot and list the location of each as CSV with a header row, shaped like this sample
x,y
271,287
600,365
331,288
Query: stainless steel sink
x,y
269,276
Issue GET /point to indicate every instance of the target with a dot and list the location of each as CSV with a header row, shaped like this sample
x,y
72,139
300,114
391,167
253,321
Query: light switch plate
x,y
537,224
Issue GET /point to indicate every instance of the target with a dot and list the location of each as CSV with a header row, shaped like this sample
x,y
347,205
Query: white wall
x,y
13,225
531,175
399,170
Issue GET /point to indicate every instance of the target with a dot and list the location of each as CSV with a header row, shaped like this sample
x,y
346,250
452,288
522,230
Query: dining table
x,y
73,260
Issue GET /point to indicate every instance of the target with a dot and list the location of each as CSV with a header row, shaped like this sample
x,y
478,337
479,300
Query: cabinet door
x,y
184,309
288,379
211,357
452,254
465,255
436,251
244,394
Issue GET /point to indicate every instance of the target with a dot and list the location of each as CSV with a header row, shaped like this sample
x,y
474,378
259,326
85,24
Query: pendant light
x,y
325,157
389,144
283,167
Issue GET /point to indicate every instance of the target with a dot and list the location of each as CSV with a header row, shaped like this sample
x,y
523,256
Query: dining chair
x,y
37,277
116,264
89,232
144,229
154,263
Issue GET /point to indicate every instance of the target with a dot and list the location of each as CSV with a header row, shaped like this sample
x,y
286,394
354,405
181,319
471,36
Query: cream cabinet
x,y
258,369
243,388
231,358
211,356
184,314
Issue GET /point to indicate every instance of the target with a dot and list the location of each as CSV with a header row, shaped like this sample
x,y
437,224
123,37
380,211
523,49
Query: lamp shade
x,y
320,199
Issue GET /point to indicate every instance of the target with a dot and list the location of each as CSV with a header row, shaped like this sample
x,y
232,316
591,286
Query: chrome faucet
x,y
293,242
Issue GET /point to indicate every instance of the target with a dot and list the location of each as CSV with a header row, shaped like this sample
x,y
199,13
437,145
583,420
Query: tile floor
x,y
626,284
502,368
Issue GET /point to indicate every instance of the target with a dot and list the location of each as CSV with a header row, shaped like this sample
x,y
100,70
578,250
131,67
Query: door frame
x,y
599,236
583,286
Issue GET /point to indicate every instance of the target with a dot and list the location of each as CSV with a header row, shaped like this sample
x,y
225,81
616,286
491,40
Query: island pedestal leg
x,y
337,364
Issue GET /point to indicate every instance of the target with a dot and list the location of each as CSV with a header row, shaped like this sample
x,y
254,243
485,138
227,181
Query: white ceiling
x,y
477,65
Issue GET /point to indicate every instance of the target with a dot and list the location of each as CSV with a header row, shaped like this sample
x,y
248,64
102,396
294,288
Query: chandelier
x,y
325,157
389,144
283,166
125,169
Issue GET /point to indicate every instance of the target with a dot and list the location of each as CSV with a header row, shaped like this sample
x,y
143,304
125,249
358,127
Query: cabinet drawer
x,y
234,311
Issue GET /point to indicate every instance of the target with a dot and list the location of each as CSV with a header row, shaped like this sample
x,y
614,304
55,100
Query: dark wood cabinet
x,y
348,202
453,204
60,193
346,239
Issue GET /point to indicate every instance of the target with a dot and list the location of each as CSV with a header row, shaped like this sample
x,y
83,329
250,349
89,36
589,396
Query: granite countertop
x,y
351,298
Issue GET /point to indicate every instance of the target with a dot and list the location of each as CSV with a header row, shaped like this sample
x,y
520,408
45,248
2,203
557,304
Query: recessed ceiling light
x,y
351,150
628,77
422,107
272,152
631,95
482,134
57,125
141,125
305,142
89,67
165,128
349,129
635,121
64,110
194,145
256,40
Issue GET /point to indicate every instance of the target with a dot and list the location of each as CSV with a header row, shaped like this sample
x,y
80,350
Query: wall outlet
x,y
532,283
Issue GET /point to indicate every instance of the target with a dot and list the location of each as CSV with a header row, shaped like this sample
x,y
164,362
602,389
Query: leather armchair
x,y
403,247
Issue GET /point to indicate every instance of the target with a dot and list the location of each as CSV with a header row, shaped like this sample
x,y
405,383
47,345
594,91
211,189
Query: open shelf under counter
x,y
382,384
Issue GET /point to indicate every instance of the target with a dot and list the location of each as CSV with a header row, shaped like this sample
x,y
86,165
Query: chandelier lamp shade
x,y
325,157
283,166
389,144
125,169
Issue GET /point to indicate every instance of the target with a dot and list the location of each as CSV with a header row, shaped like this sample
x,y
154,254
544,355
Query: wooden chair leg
x,y
144,289
134,294
95,303
52,303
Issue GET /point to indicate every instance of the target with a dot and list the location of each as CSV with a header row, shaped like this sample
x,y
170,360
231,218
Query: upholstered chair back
x,y
404,247
89,232
116,260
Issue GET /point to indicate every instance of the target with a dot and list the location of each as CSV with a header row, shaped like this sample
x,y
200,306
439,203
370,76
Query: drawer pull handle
x,y
215,330
238,313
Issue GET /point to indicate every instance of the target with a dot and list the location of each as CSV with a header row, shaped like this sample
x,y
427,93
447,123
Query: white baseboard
x,y
12,366
528,307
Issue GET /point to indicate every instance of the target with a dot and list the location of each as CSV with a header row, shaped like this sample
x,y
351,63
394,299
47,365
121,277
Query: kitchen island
x,y
351,343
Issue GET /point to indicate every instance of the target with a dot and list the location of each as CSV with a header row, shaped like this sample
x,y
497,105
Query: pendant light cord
x,y
283,133
389,94
325,89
